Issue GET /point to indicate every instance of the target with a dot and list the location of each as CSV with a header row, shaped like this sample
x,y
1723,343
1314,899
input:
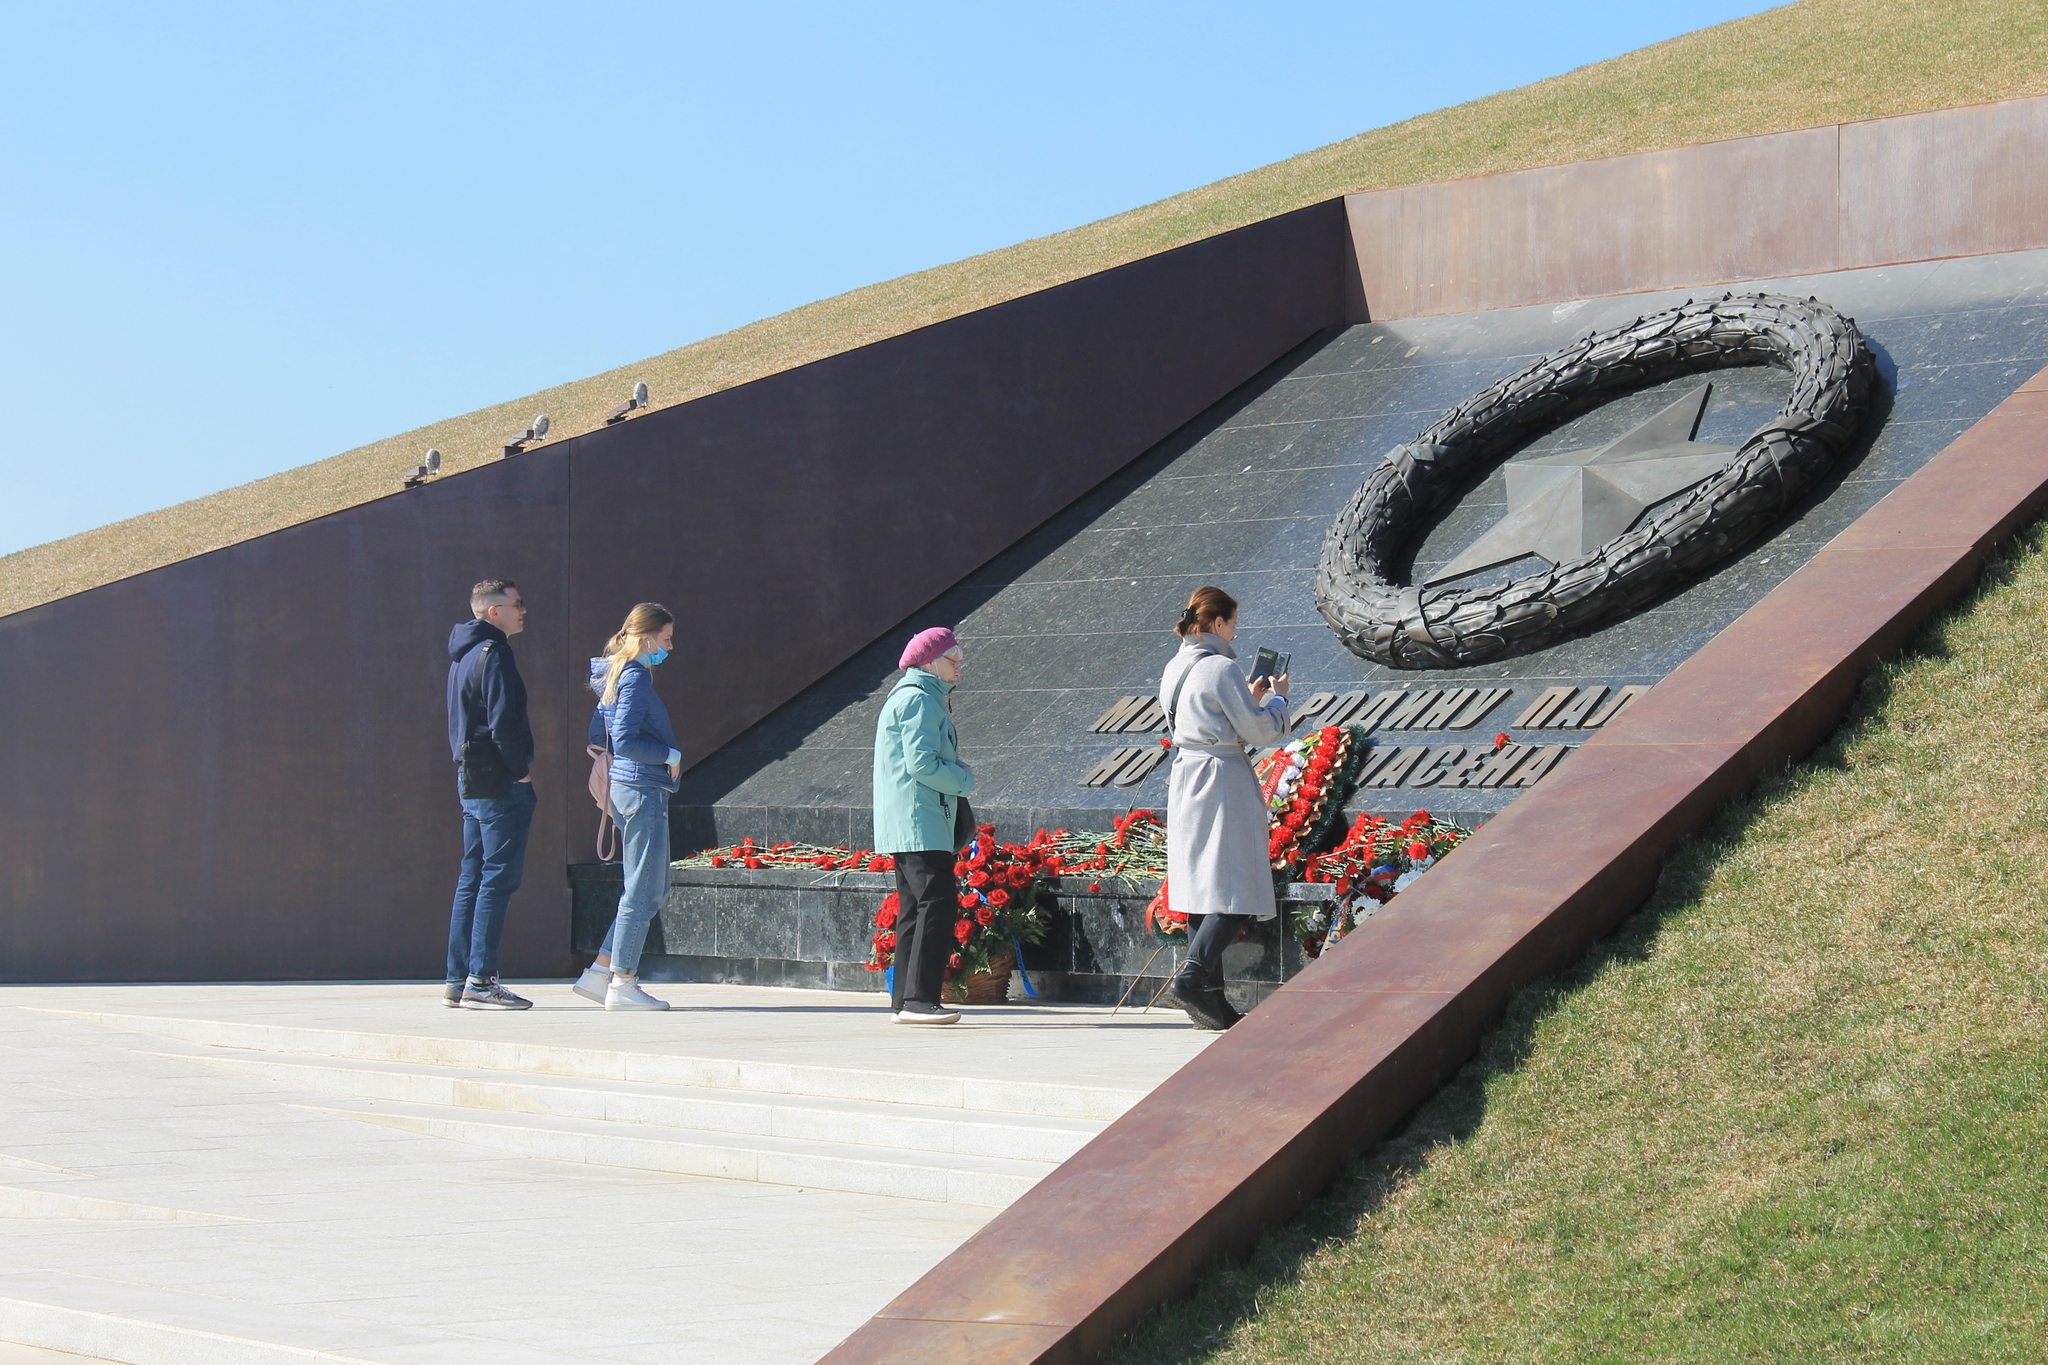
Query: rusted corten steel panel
x,y
794,519
1256,1125
1957,182
1916,187
237,765
1749,208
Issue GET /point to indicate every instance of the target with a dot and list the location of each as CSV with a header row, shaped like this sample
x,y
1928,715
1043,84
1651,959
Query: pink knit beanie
x,y
926,646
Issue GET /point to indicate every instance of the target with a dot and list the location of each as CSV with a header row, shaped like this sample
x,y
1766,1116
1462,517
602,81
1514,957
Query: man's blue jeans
x,y
493,859
641,814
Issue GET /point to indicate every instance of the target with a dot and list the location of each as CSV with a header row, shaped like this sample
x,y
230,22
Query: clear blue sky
x,y
314,225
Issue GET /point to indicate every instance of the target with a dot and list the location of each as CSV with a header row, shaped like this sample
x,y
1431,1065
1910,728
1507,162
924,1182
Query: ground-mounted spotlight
x,y
537,432
427,471
637,403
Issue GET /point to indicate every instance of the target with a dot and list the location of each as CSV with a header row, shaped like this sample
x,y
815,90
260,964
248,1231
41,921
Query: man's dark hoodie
x,y
486,697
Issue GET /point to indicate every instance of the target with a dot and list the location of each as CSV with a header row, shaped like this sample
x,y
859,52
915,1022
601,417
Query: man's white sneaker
x,y
591,985
924,1012
625,994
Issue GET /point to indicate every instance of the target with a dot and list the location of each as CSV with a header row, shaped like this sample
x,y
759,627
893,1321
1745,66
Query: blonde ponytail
x,y
635,637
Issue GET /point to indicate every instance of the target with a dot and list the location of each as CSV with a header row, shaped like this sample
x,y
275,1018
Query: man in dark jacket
x,y
493,749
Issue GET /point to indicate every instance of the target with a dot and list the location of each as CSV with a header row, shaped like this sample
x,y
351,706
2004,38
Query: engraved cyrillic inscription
x,y
1539,712
1574,712
1437,766
1539,761
1474,711
1616,704
1451,701
1136,770
1412,705
1396,768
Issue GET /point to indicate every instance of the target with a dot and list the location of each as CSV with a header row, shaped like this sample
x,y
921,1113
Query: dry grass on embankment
x,y
1816,62
1794,1111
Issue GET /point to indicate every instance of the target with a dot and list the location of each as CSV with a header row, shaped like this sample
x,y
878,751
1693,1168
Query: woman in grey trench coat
x,y
1218,872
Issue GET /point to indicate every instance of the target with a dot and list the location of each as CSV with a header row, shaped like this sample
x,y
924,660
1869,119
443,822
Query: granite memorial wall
x,y
1067,632
213,856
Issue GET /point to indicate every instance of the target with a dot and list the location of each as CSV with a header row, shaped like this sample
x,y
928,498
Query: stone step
x,y
987,1095
107,1317
861,1123
941,1177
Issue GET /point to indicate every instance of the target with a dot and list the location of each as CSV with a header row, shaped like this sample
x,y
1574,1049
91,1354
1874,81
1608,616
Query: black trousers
x,y
927,908
1208,939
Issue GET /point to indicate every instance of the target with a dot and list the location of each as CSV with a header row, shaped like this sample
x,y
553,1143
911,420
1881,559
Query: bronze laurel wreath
x,y
1410,627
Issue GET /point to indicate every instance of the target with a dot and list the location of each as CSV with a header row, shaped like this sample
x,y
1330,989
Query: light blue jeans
x,y
641,814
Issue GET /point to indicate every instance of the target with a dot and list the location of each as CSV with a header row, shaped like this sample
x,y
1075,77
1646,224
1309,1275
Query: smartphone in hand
x,y
1266,664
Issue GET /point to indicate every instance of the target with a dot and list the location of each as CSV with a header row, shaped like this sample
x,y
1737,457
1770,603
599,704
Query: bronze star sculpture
x,y
1386,620
1564,506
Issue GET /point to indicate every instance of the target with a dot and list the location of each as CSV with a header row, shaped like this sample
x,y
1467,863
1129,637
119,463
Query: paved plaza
x,y
349,1172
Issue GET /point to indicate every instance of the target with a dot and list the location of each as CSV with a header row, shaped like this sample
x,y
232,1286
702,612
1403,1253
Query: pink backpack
x,y
601,792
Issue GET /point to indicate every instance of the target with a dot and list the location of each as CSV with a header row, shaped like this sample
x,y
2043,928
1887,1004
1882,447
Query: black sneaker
x,y
1190,996
451,995
925,1012
492,996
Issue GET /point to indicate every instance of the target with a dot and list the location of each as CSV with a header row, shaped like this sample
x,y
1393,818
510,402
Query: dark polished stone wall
x,y
235,766
1078,613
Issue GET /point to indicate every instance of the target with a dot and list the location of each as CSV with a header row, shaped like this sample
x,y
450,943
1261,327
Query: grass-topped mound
x,y
1812,63
1793,1111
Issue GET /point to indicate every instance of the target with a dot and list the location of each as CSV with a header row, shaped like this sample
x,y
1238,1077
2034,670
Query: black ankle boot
x,y
1219,1003
1190,990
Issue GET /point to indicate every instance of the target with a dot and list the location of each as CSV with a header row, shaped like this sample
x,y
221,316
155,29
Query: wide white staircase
x,y
954,1139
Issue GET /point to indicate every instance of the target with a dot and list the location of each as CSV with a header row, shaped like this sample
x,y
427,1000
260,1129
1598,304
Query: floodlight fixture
x,y
636,403
537,432
428,470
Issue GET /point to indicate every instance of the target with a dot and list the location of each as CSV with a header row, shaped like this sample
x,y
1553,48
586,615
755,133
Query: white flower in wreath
x,y
1415,869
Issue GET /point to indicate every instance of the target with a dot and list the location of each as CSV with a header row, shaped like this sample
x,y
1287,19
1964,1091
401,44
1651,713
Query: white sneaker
x,y
923,1012
625,994
591,985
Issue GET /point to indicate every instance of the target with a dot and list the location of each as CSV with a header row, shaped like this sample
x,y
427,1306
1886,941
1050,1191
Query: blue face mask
x,y
653,657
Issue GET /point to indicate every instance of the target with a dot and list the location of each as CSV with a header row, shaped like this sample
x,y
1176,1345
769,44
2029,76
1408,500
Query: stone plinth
x,y
811,930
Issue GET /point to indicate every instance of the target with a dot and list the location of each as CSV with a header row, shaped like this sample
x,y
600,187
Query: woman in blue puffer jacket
x,y
631,722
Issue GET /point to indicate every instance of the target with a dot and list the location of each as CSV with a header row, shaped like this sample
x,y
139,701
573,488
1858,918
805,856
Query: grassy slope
x,y
1816,62
1794,1111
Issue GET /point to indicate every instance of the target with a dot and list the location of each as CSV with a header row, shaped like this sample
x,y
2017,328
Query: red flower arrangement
x,y
1298,781
1373,859
747,853
1161,921
1000,905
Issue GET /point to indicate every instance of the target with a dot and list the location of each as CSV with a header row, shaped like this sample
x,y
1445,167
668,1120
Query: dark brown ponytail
x,y
1206,606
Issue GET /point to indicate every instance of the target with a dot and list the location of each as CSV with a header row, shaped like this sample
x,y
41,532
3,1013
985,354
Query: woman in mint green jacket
x,y
919,780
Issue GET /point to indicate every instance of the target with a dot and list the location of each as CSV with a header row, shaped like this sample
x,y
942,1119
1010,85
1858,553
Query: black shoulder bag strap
x,y
1173,698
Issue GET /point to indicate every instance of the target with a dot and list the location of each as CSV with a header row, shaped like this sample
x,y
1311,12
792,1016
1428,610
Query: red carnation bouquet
x,y
747,853
1374,857
1000,906
1305,783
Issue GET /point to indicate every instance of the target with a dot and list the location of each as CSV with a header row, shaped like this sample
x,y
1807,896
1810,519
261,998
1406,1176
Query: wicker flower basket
x,y
991,987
